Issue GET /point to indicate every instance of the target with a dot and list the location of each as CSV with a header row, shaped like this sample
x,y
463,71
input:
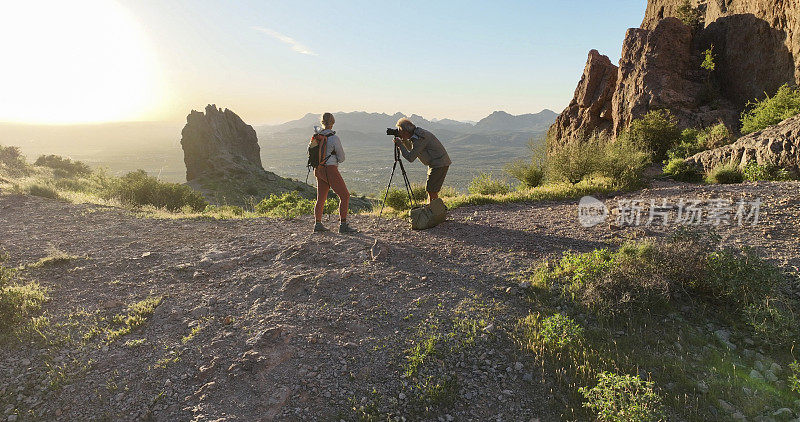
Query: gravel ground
x,y
261,320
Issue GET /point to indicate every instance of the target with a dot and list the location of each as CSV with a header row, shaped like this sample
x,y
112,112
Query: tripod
x,y
405,179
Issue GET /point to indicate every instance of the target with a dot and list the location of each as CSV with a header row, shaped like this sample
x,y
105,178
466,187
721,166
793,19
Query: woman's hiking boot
x,y
319,228
345,228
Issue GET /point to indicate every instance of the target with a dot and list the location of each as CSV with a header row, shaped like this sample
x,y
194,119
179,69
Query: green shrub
x,y
623,162
794,380
485,184
291,205
623,398
689,15
646,276
656,132
691,142
64,167
559,331
574,161
529,174
12,160
770,111
138,189
725,174
678,169
19,302
43,191
754,172
6,274
716,136
398,199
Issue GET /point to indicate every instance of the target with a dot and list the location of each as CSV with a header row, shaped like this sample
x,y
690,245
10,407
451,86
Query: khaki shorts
x,y
435,179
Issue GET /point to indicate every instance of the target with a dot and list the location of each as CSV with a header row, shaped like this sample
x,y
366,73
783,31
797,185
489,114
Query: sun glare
x,y
74,62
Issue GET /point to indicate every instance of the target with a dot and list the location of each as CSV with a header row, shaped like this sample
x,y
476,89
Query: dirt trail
x,y
262,320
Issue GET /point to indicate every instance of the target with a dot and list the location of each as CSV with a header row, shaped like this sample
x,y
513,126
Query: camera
x,y
392,132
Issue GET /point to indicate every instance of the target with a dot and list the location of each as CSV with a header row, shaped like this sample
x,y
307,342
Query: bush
x,y
716,136
138,189
623,398
484,184
770,111
754,172
43,191
64,167
623,162
529,174
794,380
17,302
12,160
646,276
679,170
574,161
292,205
656,132
559,331
398,199
725,174
691,142
689,15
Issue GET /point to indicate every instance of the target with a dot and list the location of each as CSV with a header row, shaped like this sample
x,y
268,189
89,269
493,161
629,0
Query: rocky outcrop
x,y
223,160
591,107
756,45
778,145
782,17
217,141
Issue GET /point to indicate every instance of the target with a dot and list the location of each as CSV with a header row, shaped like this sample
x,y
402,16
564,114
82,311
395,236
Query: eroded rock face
x,y
756,46
218,140
223,160
782,16
777,145
590,108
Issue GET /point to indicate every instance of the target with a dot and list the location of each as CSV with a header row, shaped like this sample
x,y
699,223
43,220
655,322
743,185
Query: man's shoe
x,y
319,228
345,228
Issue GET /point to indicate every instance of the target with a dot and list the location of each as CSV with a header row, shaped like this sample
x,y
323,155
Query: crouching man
x,y
416,143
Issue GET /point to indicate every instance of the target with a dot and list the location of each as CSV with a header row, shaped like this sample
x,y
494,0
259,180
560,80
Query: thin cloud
x,y
296,46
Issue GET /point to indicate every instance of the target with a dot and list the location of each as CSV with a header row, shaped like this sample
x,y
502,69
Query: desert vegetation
x,y
714,307
771,110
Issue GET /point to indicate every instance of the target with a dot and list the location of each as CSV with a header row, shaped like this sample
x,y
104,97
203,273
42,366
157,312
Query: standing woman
x,y
328,177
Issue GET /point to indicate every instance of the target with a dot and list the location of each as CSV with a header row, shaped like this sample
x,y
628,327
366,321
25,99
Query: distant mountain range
x,y
359,121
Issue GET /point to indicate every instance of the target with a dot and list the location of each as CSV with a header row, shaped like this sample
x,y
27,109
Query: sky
x,y
272,61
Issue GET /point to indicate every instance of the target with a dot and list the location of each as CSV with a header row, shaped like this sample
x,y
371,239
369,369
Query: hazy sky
x,y
272,61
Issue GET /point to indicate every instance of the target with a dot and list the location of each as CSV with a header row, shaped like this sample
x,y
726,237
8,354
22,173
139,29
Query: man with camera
x,y
416,143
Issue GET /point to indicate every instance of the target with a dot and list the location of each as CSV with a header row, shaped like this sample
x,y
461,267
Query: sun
x,y
77,61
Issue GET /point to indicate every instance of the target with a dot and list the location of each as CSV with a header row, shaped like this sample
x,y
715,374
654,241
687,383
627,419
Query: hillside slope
x,y
260,320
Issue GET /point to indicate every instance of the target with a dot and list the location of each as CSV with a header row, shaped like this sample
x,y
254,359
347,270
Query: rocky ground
x,y
259,319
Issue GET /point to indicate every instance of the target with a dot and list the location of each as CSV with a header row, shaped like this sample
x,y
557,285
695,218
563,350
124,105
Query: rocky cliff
x,y
223,159
778,145
756,46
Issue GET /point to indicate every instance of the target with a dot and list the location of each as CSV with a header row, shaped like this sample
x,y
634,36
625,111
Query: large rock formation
x,y
778,145
223,159
756,44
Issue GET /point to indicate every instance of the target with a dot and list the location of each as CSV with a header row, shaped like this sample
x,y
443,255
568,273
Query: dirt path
x,y
260,320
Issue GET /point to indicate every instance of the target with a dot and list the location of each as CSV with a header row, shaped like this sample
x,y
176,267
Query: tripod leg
x,y
407,183
394,167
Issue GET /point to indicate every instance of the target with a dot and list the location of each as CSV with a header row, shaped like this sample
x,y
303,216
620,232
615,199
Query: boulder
x,y
778,145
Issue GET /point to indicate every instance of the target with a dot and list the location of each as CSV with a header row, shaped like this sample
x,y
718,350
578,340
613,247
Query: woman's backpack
x,y
316,150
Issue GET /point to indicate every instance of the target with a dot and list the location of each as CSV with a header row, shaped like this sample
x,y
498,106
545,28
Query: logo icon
x,y
591,211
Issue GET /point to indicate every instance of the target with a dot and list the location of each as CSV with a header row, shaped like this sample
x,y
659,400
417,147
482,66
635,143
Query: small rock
x,y
727,407
754,374
12,418
518,366
738,416
401,396
775,368
759,366
702,387
527,377
783,414
770,376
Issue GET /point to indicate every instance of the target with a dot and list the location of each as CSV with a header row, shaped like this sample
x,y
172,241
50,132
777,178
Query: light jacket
x,y
334,145
426,147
